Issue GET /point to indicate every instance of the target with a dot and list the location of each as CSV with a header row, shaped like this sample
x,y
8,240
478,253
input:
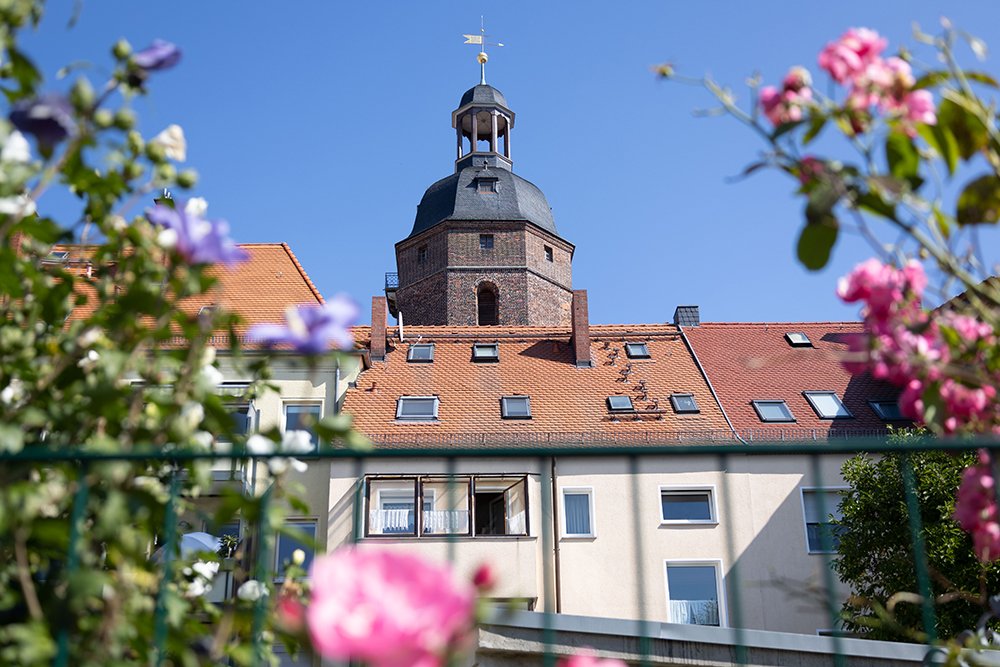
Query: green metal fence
x,y
358,462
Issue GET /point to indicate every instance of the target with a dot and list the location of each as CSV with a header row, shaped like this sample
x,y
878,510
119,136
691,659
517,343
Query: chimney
x,y
581,330
687,316
378,328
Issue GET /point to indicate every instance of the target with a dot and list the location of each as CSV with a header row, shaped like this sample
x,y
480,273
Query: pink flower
x,y
797,79
976,508
847,58
387,609
919,107
810,168
783,107
484,578
588,659
911,402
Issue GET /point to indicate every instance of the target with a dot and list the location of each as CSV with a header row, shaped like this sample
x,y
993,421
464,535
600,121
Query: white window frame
x,y
301,403
689,490
809,398
399,408
792,338
720,580
805,522
314,521
578,490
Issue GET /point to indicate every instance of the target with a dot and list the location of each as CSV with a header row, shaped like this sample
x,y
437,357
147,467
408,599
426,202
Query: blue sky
x,y
321,124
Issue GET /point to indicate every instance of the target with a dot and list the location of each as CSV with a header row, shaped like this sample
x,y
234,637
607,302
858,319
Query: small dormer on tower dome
x,y
483,126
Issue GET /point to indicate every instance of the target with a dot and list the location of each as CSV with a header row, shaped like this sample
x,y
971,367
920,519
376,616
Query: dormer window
x,y
486,352
420,353
637,350
486,185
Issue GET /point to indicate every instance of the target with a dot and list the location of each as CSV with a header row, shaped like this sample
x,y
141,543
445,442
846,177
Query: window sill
x,y
680,522
443,537
579,538
820,553
416,421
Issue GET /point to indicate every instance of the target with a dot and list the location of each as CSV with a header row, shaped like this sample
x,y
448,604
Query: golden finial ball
x,y
482,57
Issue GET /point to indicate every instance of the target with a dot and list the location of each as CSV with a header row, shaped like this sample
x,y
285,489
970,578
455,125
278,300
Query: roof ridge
x,y
766,324
302,272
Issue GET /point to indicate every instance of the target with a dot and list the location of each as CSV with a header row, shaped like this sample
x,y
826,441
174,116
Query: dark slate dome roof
x,y
456,198
483,94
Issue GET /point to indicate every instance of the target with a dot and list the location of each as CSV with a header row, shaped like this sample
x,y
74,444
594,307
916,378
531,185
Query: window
x,y
417,408
684,403
421,254
887,410
303,417
637,350
693,593
687,505
515,407
421,353
462,505
297,534
56,257
578,512
548,253
620,404
827,405
242,416
798,339
486,241
773,411
486,186
486,352
486,305
819,530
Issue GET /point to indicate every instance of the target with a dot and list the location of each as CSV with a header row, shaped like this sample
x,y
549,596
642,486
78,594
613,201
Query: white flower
x,y
167,238
89,337
118,223
209,377
206,569
196,206
12,392
89,360
191,415
202,439
15,149
297,442
204,572
251,591
291,442
259,445
173,142
298,557
21,205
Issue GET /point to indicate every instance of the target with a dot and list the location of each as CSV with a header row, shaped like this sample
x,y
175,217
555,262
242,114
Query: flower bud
x,y
156,152
135,142
298,557
82,94
187,178
166,173
124,119
103,118
484,578
133,170
121,50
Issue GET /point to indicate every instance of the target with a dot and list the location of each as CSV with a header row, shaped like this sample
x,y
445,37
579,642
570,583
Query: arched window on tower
x,y
486,303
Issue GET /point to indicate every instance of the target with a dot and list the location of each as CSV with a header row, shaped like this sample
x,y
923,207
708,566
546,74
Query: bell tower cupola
x,y
483,125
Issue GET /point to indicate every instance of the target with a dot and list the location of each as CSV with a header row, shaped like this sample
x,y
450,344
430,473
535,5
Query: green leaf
x,y
943,141
943,222
969,133
873,203
816,242
982,77
930,79
904,162
979,201
816,125
785,128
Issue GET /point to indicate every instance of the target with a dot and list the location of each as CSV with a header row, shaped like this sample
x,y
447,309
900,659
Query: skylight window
x,y
887,410
485,352
417,408
56,256
773,411
827,405
620,404
515,407
798,339
637,350
420,353
684,403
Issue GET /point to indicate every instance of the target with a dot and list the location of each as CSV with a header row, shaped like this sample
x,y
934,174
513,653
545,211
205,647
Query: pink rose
x,y
797,79
976,508
919,106
847,58
387,609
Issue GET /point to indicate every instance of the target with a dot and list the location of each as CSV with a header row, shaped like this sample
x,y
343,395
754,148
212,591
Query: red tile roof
x,y
568,404
748,361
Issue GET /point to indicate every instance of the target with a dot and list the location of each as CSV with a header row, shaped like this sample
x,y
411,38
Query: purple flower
x,y
49,118
198,240
160,55
312,329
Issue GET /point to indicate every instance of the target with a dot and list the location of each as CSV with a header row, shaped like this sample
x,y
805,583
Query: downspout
x,y
555,539
336,387
711,389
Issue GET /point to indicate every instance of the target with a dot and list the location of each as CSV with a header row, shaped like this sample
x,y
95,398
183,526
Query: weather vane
x,y
480,39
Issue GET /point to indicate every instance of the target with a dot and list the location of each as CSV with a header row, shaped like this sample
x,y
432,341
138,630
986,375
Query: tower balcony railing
x,y
391,281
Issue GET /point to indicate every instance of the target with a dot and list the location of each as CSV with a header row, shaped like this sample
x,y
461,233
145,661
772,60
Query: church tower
x,y
484,248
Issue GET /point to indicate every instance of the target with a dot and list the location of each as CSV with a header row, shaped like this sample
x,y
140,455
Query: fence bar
x,y
262,572
645,627
548,548
72,557
919,550
450,502
826,546
731,581
160,615
357,517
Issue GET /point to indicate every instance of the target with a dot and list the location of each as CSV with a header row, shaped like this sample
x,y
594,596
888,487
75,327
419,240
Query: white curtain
x,y
694,612
446,521
391,521
515,524
577,513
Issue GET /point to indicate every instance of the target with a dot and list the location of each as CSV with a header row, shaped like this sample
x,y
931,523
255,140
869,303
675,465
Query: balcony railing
x,y
452,526
391,281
